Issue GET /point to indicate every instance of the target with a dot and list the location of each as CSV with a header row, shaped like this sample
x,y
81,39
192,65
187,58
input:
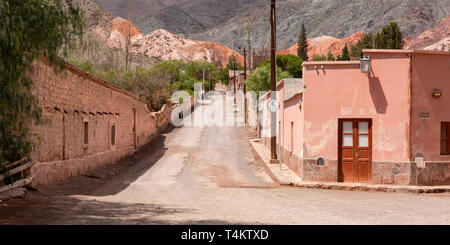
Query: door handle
x,y
356,154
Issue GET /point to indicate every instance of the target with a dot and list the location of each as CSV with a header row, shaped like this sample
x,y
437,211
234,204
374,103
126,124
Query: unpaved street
x,y
209,175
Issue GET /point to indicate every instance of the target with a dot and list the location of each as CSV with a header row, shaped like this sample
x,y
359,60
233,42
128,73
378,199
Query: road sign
x,y
273,105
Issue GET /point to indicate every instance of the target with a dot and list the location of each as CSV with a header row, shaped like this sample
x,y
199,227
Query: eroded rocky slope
x,y
224,21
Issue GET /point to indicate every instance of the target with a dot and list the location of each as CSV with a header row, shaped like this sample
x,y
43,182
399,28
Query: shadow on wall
x,y
377,94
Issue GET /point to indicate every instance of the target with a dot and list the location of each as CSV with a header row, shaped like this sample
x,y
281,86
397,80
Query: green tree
x,y
365,43
345,54
29,29
390,37
330,56
290,63
232,64
260,80
302,50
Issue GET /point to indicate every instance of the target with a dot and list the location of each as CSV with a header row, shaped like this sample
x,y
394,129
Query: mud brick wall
x,y
70,99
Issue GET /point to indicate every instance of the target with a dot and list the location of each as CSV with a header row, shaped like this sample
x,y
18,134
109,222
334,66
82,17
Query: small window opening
x,y
86,133
292,136
445,139
113,134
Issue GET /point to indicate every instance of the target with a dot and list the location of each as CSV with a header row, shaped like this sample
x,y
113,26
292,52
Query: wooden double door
x,y
355,150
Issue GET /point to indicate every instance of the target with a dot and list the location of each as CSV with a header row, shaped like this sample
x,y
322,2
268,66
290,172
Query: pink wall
x,y
393,94
430,71
340,90
291,116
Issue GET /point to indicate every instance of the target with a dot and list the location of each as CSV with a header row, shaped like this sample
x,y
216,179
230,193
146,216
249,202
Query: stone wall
x,y
434,173
91,123
398,173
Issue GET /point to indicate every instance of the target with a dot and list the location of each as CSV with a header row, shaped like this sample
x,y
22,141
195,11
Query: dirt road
x,y
209,175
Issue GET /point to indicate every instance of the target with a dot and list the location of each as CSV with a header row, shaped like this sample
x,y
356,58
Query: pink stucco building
x,y
388,126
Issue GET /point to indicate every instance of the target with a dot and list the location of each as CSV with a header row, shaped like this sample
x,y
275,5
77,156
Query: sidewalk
x,y
284,176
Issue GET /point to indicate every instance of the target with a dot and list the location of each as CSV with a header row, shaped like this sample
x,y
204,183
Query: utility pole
x,y
273,85
234,78
128,38
245,86
203,82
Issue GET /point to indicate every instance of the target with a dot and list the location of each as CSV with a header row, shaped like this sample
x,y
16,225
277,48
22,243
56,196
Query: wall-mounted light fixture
x,y
365,64
436,93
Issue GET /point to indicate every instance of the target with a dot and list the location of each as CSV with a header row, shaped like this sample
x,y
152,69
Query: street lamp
x,y
365,64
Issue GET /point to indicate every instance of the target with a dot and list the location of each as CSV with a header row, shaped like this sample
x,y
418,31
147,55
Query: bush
x,y
157,84
319,58
330,57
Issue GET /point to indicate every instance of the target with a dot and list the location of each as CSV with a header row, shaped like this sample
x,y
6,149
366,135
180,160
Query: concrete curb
x,y
285,178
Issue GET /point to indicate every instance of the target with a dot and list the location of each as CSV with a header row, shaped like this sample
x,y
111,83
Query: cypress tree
x,y
345,53
302,50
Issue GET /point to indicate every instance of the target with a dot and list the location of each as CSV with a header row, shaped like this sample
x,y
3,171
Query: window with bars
x,y
445,144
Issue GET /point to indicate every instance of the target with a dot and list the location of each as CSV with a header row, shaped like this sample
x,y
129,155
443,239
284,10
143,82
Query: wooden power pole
x,y
273,82
234,79
245,86
128,41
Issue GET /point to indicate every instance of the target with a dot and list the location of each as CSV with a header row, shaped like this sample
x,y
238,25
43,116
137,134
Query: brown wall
x,y
429,72
71,97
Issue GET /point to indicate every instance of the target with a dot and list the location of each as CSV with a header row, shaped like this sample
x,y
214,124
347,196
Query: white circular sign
x,y
273,105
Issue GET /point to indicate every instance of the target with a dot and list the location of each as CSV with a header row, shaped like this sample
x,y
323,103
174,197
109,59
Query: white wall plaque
x,y
420,162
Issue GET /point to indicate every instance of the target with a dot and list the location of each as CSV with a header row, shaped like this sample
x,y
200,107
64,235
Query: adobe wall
x,y
397,89
429,72
69,99
340,90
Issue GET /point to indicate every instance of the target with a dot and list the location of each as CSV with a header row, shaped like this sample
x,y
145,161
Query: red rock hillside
x,y
165,45
436,38
324,44
121,25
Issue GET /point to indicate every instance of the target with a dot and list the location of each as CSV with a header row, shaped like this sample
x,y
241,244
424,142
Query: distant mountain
x,y
94,16
164,45
435,38
320,46
110,35
138,7
224,21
